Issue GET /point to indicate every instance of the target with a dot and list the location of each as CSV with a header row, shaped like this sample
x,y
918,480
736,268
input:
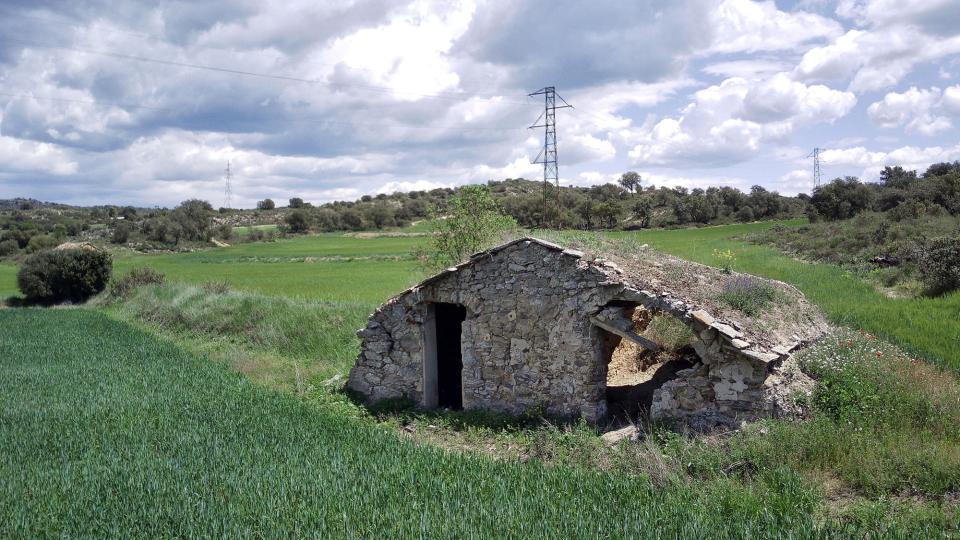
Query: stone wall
x,y
528,343
735,380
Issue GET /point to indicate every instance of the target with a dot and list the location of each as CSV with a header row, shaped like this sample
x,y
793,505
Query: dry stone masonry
x,y
536,329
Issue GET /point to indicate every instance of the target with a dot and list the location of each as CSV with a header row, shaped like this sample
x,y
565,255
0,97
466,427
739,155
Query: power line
x,y
74,23
309,120
551,168
87,102
286,78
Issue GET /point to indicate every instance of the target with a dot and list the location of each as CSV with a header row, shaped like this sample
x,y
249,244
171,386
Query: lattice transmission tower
x,y
228,191
816,167
548,154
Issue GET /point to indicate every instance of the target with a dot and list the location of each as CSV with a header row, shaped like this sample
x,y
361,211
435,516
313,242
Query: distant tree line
x,y
32,226
625,205
904,194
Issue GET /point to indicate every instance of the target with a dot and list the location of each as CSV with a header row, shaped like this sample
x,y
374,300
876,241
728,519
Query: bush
x,y
223,231
138,277
747,294
121,233
69,275
9,247
939,264
298,221
193,219
41,242
842,198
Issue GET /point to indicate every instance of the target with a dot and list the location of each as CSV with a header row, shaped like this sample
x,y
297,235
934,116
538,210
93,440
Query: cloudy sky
x,y
146,102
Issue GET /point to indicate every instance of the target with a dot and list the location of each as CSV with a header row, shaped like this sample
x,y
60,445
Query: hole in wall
x,y
634,372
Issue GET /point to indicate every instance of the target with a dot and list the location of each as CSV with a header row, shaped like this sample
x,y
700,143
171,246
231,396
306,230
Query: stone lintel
x,y
621,327
759,356
726,330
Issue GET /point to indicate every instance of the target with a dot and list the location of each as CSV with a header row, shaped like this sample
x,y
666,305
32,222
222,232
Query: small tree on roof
x,y
471,222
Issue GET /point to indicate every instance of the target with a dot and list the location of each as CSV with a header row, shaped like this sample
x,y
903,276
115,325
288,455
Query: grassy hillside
x,y
925,326
107,431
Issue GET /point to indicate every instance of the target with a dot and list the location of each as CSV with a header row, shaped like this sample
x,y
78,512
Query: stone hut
x,y
529,325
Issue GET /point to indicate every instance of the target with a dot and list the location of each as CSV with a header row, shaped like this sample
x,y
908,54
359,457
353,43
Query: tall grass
x,y
319,334
106,431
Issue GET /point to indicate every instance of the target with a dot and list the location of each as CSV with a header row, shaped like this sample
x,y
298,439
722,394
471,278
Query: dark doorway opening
x,y
449,320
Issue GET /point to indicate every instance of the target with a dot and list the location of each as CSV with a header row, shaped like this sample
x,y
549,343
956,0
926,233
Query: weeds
x,y
725,258
122,287
670,333
216,287
320,332
747,294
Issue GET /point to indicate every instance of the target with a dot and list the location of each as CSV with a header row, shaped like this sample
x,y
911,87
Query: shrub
x,y
223,231
121,233
41,242
842,198
138,277
747,294
473,220
298,221
193,219
9,247
939,264
69,275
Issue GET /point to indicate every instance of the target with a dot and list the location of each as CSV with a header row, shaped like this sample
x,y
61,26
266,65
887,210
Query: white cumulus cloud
x,y
915,110
729,122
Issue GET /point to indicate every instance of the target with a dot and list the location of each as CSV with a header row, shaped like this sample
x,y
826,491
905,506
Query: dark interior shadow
x,y
633,401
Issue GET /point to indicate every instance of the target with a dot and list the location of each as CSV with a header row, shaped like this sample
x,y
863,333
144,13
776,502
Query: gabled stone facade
x,y
527,341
